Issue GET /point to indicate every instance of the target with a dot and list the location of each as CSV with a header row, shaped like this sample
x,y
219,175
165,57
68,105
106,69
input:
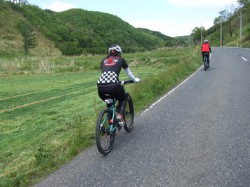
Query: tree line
x,y
18,1
229,19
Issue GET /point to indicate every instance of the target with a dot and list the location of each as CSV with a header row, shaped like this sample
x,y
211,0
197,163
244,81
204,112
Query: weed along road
x,y
196,135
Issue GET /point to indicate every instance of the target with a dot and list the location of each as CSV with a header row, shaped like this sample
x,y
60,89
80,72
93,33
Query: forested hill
x,y
169,40
78,31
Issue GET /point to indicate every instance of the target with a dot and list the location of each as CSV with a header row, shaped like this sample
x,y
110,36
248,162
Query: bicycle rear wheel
x,y
129,114
104,138
205,63
205,67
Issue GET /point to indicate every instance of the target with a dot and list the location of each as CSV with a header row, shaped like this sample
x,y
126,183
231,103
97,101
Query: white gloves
x,y
130,74
136,79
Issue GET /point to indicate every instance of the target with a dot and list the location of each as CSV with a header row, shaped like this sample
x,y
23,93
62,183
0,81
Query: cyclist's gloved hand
x,y
136,79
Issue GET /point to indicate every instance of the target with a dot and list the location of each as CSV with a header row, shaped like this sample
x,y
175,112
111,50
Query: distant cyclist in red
x,y
205,50
108,83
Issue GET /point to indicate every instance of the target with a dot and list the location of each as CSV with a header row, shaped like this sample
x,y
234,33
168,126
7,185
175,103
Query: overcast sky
x,y
170,17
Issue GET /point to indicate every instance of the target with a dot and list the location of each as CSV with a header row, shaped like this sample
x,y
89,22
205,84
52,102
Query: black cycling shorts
x,y
111,91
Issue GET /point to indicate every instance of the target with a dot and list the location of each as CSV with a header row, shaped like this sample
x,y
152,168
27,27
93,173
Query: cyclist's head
x,y
115,49
206,41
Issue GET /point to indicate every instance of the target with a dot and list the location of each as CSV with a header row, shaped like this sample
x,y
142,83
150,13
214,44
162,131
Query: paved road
x,y
198,135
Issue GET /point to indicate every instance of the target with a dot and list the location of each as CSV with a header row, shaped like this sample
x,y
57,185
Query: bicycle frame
x,y
107,125
112,108
113,126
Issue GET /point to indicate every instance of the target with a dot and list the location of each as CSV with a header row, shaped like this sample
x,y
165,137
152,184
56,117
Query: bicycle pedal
x,y
103,130
119,127
118,130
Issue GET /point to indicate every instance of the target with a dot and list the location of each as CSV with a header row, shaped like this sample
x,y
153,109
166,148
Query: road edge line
x,y
170,92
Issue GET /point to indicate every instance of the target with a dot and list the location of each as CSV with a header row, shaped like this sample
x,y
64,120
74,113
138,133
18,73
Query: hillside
x,y
169,41
73,32
231,28
11,40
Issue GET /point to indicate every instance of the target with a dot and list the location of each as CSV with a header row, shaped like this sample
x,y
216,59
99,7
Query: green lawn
x,y
48,118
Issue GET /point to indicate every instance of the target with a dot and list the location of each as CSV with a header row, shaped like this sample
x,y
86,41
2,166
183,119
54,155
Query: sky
x,y
170,17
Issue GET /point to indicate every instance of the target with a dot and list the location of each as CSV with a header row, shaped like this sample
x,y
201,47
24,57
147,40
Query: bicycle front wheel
x,y
104,138
129,114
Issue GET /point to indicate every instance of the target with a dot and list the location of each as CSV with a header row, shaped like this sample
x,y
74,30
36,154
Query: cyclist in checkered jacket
x,y
108,83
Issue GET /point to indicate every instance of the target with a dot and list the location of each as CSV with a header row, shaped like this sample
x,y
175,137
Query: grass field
x,y
49,117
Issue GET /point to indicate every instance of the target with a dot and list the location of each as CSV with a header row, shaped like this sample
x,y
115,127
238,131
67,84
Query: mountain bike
x,y
107,126
206,59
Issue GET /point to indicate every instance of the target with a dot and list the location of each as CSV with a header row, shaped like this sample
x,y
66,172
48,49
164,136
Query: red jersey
x,y
205,47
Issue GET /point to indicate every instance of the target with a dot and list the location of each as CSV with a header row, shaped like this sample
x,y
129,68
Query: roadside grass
x,y
48,64
49,117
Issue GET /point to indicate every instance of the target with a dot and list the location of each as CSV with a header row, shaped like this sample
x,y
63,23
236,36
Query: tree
x,y
196,34
243,2
244,11
230,20
19,1
217,20
29,36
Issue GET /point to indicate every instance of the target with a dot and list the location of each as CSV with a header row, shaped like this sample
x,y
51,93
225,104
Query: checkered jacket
x,y
108,77
111,68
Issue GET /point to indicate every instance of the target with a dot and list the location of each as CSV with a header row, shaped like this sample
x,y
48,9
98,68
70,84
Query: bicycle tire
x,y
129,114
205,63
104,138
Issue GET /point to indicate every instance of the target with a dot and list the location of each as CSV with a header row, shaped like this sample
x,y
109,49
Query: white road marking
x,y
244,58
170,92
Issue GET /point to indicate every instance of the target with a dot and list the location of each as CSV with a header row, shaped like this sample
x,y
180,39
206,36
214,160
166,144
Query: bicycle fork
x,y
112,123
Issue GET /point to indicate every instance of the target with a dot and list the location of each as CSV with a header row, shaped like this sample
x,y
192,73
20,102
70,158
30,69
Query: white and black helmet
x,y
115,47
205,41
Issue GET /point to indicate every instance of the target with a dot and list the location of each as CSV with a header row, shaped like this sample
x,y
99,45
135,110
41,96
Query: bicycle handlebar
x,y
127,82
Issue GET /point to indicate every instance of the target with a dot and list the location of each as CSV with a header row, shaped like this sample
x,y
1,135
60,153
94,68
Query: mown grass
x,y
47,118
